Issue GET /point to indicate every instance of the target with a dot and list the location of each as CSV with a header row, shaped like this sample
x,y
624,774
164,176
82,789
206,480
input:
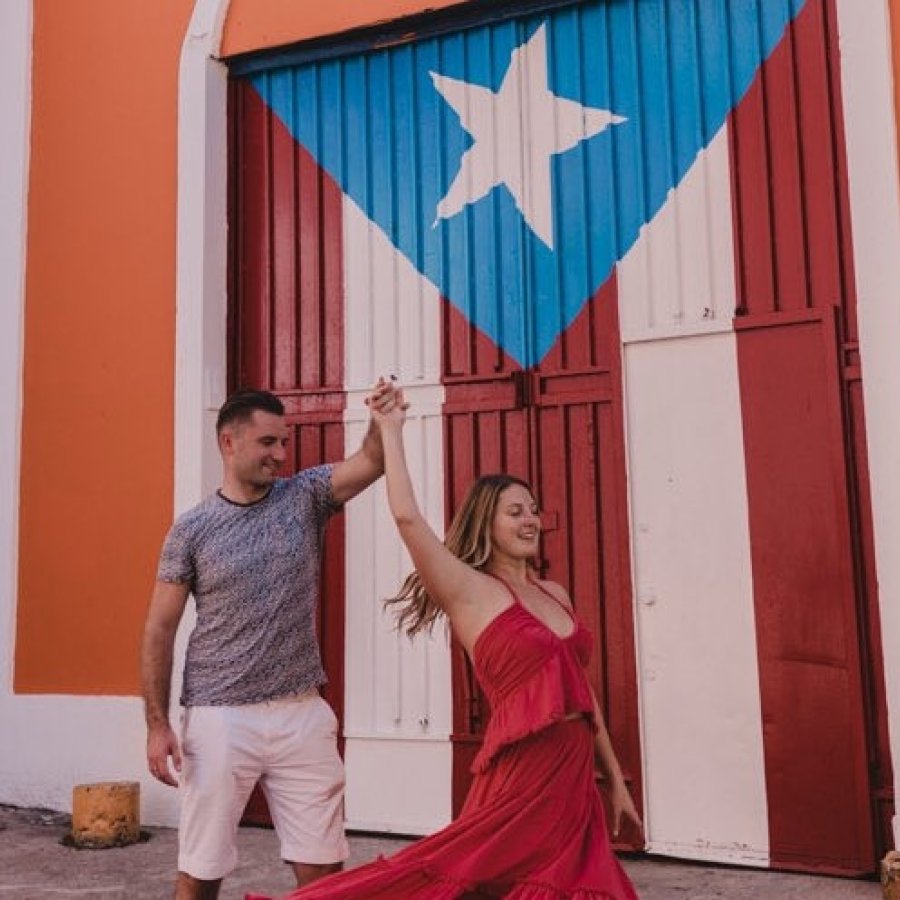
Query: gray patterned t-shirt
x,y
254,572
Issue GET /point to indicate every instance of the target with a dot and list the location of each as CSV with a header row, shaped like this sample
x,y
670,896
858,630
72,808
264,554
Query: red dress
x,y
532,827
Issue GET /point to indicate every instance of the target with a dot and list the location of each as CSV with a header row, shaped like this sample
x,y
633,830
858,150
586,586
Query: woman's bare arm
x,y
469,598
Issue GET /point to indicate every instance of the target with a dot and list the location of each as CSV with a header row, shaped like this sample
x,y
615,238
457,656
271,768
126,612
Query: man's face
x,y
254,451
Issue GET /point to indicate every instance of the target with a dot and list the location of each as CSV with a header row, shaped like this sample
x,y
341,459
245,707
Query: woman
x,y
532,827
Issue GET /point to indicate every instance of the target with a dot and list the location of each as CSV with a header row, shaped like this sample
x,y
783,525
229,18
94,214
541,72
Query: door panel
x,y
805,600
559,426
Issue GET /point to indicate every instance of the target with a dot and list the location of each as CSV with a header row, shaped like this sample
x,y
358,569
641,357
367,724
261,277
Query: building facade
x,y
643,254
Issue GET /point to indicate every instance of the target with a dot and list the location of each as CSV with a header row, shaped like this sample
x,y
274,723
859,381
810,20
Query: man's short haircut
x,y
240,406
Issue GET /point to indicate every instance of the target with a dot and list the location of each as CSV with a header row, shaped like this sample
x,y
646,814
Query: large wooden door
x,y
530,349
828,772
808,628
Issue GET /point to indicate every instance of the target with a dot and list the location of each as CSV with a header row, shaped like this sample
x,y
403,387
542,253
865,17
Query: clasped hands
x,y
387,401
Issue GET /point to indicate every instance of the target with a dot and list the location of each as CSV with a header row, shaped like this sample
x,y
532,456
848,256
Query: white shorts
x,y
290,747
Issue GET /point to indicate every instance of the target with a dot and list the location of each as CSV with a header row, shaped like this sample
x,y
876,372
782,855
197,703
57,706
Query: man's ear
x,y
225,440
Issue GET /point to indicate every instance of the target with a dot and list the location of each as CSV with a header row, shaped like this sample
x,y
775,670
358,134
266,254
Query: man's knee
x,y
189,888
306,873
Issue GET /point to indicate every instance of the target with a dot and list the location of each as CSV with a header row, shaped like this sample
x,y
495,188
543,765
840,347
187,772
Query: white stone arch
x,y
202,251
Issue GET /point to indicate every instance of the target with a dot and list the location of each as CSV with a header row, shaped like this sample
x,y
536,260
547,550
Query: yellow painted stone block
x,y
890,876
106,814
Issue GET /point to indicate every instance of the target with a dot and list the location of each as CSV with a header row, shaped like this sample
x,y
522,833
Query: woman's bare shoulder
x,y
487,598
557,590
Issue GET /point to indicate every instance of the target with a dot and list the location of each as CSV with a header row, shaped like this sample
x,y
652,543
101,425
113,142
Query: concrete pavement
x,y
35,865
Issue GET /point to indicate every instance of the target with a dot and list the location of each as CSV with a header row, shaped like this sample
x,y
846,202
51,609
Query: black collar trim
x,y
245,505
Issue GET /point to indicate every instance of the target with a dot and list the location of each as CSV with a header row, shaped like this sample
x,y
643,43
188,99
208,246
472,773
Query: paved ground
x,y
35,865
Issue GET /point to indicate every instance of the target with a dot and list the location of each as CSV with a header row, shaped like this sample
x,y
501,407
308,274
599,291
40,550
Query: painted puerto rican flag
x,y
536,150
679,156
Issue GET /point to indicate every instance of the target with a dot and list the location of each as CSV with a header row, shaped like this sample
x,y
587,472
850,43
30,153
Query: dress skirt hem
x,y
532,828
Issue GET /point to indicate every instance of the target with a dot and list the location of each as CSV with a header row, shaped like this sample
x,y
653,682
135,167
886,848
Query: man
x,y
250,555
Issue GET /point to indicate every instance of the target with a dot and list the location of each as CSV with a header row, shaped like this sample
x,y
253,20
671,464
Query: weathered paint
x,y
612,145
796,315
398,715
807,625
261,24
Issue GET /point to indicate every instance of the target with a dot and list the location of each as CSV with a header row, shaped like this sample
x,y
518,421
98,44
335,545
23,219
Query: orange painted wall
x,y
260,24
96,483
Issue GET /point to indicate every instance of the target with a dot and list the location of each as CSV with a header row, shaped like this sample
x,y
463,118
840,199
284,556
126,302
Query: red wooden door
x,y
808,632
286,324
829,779
559,426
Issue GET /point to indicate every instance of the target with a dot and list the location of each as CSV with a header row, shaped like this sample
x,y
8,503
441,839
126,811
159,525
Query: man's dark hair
x,y
241,405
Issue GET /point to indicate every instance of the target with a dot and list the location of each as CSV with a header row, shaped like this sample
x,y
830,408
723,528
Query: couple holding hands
x,y
533,825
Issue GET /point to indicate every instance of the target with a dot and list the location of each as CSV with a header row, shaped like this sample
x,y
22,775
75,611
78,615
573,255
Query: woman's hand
x,y
622,806
387,405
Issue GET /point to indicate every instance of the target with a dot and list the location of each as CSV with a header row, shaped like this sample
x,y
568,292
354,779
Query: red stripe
x,y
804,532
581,394
287,315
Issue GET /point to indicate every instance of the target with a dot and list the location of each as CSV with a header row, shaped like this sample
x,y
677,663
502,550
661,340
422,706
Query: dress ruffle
x,y
424,882
551,693
548,892
532,826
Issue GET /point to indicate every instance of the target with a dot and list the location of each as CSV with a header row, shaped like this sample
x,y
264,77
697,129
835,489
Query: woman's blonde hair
x,y
468,538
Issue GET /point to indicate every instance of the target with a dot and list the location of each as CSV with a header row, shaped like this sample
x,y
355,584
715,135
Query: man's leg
x,y
306,873
220,769
304,785
189,888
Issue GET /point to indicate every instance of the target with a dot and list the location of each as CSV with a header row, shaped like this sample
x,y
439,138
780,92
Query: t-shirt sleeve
x,y
176,561
315,482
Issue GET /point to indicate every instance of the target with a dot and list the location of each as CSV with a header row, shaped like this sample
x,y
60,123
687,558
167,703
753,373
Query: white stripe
x,y
679,275
398,696
699,681
391,311
867,90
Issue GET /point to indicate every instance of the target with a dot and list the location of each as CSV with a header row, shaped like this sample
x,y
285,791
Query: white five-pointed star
x,y
515,133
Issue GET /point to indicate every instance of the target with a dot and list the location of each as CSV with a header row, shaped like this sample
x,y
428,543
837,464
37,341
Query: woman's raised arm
x,y
452,584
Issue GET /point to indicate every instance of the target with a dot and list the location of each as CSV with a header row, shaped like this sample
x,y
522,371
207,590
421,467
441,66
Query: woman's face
x,y
516,528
